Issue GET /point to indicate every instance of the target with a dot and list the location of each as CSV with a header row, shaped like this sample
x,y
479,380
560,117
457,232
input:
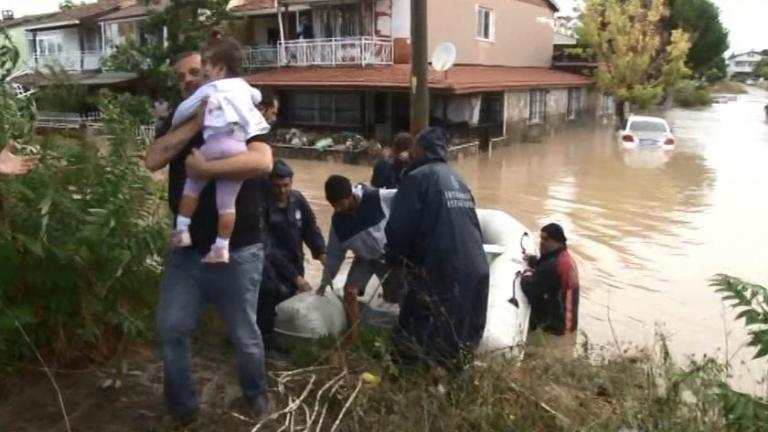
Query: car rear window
x,y
647,126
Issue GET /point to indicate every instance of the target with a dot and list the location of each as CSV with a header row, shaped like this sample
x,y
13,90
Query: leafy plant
x,y
16,114
80,243
62,93
692,94
743,412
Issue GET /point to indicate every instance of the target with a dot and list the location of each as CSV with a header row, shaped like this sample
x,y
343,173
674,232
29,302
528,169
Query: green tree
x,y
709,38
638,59
718,72
186,26
761,69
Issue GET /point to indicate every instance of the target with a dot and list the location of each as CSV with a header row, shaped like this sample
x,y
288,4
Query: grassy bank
x,y
344,387
728,87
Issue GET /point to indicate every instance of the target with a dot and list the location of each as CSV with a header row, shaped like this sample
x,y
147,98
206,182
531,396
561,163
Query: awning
x,y
459,80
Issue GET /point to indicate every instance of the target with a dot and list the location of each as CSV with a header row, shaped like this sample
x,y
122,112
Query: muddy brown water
x,y
649,229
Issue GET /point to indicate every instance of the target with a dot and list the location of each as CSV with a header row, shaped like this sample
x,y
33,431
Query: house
x,y
741,66
14,27
80,38
344,66
71,38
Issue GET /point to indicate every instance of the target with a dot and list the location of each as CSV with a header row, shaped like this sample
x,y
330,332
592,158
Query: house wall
x,y
744,63
401,18
516,123
19,39
523,32
253,30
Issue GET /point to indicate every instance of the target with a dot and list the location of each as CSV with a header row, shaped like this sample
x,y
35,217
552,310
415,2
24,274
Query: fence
x,y
90,120
322,52
71,61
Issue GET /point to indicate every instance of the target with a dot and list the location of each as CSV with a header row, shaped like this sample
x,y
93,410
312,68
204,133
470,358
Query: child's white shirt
x,y
231,109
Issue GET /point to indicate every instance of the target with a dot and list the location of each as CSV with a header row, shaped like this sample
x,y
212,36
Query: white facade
x,y
744,63
401,18
62,47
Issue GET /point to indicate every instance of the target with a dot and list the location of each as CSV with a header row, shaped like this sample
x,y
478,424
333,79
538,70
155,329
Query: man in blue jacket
x,y
434,231
359,217
291,224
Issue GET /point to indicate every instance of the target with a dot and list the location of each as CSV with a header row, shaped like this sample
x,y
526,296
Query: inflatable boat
x,y
506,241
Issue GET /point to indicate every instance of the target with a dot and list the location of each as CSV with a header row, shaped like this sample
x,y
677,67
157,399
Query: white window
x,y
485,24
574,103
48,45
537,106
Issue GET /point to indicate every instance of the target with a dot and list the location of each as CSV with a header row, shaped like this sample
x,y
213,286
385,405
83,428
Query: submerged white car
x,y
641,131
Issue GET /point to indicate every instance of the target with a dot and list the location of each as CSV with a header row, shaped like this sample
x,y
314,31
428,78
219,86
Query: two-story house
x,y
14,28
78,40
344,65
742,66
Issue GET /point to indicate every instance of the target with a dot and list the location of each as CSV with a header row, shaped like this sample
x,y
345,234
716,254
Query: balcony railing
x,y
71,61
361,51
256,57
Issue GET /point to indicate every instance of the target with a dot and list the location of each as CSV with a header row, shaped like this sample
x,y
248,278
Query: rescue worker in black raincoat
x,y
290,223
434,230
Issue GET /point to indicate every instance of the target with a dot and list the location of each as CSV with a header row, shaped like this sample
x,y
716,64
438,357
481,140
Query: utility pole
x,y
419,67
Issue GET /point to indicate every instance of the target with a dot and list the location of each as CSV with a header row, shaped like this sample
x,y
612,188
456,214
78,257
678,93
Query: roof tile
x,y
461,79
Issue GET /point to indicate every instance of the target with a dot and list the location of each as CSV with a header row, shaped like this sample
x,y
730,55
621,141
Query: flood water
x,y
648,229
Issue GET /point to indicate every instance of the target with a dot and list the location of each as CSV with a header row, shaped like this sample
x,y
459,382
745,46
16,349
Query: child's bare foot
x,y
218,255
181,238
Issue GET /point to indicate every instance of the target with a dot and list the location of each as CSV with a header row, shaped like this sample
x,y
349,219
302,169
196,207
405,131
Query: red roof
x,y
253,5
86,11
459,80
131,12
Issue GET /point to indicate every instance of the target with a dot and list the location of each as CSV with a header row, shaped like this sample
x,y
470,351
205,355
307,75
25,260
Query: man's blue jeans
x,y
233,289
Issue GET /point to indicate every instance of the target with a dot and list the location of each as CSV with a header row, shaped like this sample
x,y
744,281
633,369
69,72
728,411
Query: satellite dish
x,y
444,57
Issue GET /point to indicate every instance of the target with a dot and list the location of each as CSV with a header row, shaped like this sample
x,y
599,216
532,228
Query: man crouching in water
x,y
552,285
434,230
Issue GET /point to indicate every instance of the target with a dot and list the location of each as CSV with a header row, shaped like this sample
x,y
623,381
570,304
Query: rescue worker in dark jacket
x,y
290,224
389,170
552,285
434,229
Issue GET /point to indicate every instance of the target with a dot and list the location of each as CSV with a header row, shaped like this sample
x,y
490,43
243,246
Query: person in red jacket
x,y
552,285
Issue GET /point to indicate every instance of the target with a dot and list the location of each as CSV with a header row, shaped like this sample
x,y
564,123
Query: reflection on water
x,y
649,229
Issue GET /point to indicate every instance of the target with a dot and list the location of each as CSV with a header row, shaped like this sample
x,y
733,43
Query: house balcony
x,y
77,61
361,51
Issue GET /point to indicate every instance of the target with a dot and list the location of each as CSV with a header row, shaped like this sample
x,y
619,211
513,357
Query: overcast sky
x,y
747,20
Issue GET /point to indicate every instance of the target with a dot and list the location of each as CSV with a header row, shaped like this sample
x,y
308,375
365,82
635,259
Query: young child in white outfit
x,y
230,119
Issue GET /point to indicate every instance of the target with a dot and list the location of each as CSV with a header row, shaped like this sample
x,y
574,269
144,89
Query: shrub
x,y
692,94
80,241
